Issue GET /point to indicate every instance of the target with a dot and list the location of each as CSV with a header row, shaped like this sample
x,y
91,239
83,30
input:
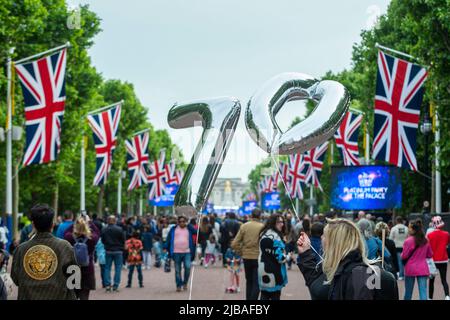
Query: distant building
x,y
228,193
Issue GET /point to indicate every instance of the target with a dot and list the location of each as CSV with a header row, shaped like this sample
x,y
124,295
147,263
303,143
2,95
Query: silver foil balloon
x,y
219,118
332,101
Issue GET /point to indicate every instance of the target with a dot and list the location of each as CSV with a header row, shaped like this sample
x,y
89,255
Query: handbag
x,y
431,266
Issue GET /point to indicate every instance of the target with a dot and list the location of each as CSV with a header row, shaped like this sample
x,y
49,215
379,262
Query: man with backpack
x,y
113,238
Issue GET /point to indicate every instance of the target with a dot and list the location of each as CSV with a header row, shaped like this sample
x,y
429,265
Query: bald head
x,y
112,219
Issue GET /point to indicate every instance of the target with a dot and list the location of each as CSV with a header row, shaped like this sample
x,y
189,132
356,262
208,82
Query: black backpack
x,y
388,285
389,288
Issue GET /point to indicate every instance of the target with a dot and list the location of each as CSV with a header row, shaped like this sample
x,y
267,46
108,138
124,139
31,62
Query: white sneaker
x,y
401,278
447,298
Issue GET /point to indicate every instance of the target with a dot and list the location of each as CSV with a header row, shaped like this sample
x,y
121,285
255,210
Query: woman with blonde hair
x,y
84,232
391,264
345,273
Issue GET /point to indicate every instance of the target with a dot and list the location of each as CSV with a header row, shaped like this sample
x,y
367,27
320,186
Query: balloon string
x,y
195,253
292,201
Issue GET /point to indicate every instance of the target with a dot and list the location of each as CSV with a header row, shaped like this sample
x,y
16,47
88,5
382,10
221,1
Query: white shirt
x,y
210,247
3,235
398,234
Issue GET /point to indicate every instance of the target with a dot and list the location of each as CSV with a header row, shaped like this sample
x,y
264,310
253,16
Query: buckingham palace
x,y
228,192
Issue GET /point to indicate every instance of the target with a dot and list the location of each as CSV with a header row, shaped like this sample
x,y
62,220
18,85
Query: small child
x,y
211,250
165,260
134,247
233,263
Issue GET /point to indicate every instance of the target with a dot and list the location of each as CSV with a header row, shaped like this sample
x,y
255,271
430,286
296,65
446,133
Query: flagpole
x,y
311,197
119,193
42,53
357,111
437,148
377,45
332,152
367,137
140,132
9,139
82,177
140,203
104,108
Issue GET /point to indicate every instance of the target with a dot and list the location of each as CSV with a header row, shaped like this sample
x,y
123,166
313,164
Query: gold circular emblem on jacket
x,y
40,262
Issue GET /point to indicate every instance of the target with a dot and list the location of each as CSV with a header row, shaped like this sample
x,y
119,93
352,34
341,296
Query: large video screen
x,y
248,206
271,201
167,199
366,188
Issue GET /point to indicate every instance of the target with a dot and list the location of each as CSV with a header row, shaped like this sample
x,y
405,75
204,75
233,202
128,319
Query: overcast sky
x,y
180,50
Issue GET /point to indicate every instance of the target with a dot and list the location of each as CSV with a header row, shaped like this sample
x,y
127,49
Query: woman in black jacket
x,y
344,273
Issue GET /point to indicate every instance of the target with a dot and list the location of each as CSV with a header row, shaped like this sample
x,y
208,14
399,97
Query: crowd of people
x,y
337,257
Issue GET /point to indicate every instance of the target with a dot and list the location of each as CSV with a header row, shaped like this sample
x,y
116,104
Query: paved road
x,y
208,284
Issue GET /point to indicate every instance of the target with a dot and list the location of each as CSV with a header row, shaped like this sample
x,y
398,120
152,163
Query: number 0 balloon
x,y
332,100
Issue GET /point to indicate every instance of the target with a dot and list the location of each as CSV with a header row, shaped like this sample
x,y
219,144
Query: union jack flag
x,y
137,160
266,185
398,97
250,197
275,179
314,159
180,175
346,138
284,170
44,94
156,177
296,173
172,175
105,126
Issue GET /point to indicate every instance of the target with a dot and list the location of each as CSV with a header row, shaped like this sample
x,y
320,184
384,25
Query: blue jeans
x,y
401,268
409,287
102,274
117,258
180,258
139,272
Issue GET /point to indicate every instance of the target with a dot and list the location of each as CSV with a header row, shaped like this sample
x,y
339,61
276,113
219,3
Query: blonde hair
x,y
81,228
379,229
342,236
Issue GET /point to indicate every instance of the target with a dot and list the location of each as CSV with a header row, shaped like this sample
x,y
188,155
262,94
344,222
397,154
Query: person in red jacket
x,y
439,240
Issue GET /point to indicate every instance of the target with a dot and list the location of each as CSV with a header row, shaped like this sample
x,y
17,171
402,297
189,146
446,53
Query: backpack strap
x,y
82,239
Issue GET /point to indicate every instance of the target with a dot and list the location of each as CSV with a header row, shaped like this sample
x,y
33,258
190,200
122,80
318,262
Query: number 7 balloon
x,y
332,102
219,118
